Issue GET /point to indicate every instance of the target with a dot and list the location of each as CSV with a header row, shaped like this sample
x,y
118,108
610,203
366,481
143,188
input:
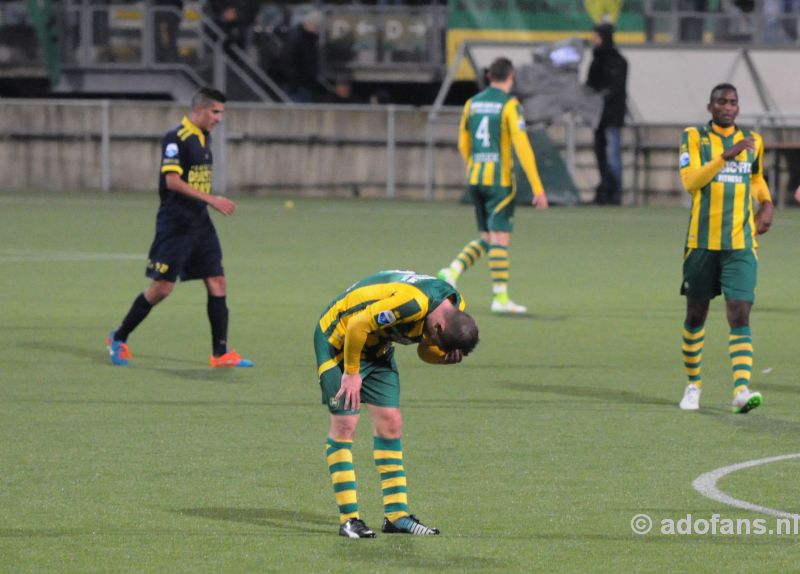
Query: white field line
x,y
32,256
706,484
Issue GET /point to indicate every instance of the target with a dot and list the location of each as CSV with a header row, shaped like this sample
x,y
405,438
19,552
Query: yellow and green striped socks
x,y
499,269
740,349
472,251
388,454
339,455
692,349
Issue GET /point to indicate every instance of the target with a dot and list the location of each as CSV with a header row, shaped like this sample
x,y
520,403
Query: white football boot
x,y
508,308
746,400
691,398
447,275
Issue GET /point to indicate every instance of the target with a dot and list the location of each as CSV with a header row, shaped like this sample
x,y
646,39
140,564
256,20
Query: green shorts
x,y
494,207
380,379
708,273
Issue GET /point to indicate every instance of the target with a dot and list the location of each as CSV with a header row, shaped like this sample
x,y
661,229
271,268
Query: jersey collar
x,y
193,129
719,130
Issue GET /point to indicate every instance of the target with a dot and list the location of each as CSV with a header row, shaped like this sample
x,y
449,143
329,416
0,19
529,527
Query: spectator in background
x,y
231,18
300,59
380,97
343,92
692,26
608,75
101,31
779,27
167,19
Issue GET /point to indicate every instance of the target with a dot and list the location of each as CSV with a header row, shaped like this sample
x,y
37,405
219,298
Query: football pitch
x,y
534,455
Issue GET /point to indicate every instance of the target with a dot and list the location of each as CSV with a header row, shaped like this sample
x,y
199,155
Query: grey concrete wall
x,y
293,150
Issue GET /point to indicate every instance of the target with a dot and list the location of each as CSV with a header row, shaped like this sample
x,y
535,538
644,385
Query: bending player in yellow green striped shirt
x,y
722,167
355,363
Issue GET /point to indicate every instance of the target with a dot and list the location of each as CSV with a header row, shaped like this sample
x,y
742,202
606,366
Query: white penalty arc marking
x,y
706,484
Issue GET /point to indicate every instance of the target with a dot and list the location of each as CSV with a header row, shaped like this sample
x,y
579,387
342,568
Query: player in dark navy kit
x,y
186,245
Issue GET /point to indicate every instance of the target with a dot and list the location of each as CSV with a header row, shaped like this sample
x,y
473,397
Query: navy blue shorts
x,y
192,254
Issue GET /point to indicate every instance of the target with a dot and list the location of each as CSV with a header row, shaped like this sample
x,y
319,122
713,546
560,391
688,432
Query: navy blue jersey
x,y
185,150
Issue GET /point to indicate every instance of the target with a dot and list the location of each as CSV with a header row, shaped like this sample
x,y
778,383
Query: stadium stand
x,y
106,49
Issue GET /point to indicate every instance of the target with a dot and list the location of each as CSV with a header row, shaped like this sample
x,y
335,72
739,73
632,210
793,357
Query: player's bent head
x,y
205,97
460,333
500,70
717,90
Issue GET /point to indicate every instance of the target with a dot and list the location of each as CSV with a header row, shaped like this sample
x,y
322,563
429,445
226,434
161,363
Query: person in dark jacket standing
x,y
301,59
608,74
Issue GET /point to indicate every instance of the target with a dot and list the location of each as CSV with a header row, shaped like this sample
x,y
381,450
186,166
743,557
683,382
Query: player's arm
x,y
431,353
694,174
172,167
760,190
398,309
358,329
513,119
464,135
222,204
435,356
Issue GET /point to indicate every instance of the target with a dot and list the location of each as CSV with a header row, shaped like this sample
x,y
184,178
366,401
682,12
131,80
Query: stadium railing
x,y
280,149
723,22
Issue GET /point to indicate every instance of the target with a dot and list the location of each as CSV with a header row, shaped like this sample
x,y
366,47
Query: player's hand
x,y
453,357
222,204
351,391
739,147
764,218
540,201
797,194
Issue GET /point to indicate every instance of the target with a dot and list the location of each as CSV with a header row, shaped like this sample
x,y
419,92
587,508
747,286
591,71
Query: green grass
x,y
532,455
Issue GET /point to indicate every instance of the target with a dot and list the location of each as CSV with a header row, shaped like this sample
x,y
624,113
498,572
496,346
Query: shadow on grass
x,y
406,553
172,403
782,311
779,387
144,362
528,367
604,395
658,538
42,532
96,355
520,316
208,375
271,518
758,422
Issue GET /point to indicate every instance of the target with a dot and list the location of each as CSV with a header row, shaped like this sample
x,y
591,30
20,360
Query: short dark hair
x,y
500,70
460,333
720,87
606,32
205,96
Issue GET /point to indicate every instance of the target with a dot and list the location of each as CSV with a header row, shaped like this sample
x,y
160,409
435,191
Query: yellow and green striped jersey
x,y
722,211
384,308
492,131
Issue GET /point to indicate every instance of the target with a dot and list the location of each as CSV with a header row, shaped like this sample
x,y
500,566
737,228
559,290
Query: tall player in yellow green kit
x,y
353,341
722,167
492,132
